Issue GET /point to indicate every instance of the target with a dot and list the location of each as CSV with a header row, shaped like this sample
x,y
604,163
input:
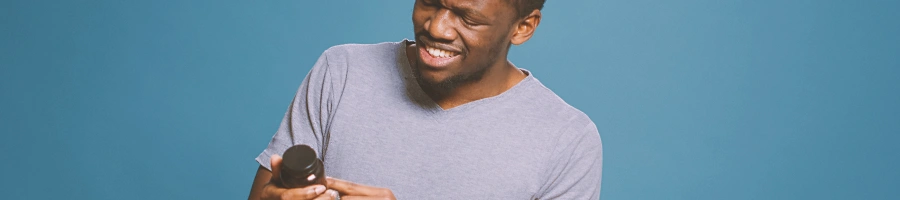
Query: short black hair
x,y
524,7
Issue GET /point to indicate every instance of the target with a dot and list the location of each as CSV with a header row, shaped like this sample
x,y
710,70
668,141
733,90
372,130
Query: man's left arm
x,y
576,167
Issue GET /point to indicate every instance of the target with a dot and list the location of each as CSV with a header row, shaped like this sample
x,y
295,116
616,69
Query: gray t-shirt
x,y
362,110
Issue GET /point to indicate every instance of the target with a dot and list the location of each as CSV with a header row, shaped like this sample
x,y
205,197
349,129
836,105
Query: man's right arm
x,y
263,176
305,122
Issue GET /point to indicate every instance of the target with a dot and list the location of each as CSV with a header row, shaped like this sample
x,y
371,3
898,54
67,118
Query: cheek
x,y
476,43
487,40
418,19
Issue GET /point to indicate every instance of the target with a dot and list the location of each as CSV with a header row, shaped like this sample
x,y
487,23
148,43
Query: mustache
x,y
426,38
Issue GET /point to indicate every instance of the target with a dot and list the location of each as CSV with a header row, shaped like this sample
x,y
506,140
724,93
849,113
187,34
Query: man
x,y
444,117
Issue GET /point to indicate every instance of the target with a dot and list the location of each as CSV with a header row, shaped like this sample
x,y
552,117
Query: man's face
x,y
458,40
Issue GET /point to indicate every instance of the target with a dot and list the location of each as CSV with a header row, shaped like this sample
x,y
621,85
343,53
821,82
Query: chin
x,y
433,77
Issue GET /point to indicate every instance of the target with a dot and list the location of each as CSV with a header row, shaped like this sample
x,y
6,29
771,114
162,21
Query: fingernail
x,y
311,177
334,193
320,189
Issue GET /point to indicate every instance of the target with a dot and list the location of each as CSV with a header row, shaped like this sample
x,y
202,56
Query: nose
x,y
440,26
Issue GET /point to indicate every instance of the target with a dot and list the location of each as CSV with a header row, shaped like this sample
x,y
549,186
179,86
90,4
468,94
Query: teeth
x,y
439,53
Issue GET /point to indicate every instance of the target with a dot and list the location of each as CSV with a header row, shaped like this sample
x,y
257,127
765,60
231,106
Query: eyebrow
x,y
457,9
468,11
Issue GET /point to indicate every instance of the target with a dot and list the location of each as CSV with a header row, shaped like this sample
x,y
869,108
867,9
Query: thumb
x,y
275,163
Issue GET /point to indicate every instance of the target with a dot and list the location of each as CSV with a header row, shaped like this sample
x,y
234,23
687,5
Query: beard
x,y
447,85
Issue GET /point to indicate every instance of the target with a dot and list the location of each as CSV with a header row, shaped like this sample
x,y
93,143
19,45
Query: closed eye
x,y
428,3
470,22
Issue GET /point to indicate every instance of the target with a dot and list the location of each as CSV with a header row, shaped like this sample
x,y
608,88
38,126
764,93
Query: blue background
x,y
696,99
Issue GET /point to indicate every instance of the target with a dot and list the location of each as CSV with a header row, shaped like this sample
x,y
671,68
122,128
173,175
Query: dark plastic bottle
x,y
299,162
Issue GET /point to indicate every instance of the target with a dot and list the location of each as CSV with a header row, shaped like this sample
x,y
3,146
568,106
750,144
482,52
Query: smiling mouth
x,y
439,53
436,58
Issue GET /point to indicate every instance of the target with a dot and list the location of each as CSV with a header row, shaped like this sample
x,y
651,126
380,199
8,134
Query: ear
x,y
525,28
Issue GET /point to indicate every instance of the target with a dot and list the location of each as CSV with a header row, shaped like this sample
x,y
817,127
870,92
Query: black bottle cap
x,y
300,159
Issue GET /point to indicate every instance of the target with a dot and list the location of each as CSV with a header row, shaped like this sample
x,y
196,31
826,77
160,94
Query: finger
x,y
363,198
308,192
352,189
344,187
328,195
275,164
271,191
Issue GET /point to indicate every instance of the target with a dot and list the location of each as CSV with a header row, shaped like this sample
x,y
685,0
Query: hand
x,y
272,191
352,191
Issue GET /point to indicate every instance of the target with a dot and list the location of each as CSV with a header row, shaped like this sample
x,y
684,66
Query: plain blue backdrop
x,y
695,99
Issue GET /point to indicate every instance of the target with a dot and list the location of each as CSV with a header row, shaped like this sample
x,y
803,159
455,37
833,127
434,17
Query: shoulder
x,y
571,123
385,50
547,103
575,151
361,59
345,60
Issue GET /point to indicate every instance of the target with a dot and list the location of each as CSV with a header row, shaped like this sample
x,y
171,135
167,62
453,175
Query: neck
x,y
498,78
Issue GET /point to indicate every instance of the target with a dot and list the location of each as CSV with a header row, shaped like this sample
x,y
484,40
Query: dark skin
x,y
264,187
478,34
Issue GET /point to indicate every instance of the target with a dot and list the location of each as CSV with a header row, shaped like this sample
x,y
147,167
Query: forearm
x,y
263,176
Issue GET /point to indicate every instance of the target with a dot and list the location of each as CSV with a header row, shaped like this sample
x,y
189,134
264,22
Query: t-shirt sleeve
x,y
308,117
576,166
